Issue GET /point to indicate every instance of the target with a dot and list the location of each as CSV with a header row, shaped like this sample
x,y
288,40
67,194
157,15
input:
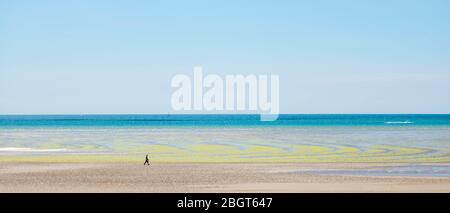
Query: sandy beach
x,y
205,177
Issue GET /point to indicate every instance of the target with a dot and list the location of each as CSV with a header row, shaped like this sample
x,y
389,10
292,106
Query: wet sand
x,y
204,177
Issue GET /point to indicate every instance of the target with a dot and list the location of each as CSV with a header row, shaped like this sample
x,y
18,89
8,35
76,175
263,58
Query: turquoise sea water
x,y
224,120
411,139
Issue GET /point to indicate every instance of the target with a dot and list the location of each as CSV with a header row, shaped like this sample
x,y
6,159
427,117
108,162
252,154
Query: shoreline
x,y
206,177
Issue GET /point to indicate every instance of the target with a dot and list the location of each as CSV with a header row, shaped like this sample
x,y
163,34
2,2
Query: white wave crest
x,y
26,149
398,122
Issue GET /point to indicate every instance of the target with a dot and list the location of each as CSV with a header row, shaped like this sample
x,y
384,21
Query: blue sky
x,y
82,57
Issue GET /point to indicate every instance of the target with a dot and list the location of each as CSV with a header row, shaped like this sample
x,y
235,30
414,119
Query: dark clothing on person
x,y
146,160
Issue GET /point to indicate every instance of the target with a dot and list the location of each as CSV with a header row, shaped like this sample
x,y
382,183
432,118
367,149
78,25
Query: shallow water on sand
x,y
389,171
410,144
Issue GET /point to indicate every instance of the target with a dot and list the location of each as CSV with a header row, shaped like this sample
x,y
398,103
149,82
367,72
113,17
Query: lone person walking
x,y
146,160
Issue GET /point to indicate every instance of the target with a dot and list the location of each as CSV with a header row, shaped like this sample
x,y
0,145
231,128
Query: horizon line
x,y
168,114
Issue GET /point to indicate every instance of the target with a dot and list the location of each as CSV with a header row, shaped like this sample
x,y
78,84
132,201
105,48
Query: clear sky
x,y
84,56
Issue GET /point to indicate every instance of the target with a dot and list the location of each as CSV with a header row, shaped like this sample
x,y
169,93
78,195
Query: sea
x,y
419,141
196,120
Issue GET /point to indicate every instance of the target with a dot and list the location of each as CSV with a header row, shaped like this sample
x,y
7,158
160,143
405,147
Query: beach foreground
x,y
209,177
